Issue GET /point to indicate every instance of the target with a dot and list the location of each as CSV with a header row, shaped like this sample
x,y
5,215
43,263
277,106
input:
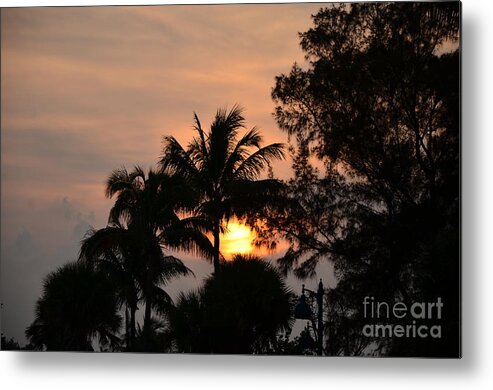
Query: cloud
x,y
88,89
29,253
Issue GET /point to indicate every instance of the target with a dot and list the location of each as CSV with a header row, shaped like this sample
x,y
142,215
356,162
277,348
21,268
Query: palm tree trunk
x,y
147,313
216,246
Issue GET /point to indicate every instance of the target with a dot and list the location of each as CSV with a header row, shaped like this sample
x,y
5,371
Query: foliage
x,y
224,170
9,344
241,309
78,306
374,129
143,223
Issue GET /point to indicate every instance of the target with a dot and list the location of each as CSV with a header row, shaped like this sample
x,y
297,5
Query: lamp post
x,y
303,311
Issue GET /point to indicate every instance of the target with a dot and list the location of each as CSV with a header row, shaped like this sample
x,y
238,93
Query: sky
x,y
85,90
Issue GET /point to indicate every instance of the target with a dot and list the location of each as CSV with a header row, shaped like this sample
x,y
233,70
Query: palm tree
x,y
241,309
159,340
224,170
78,305
186,326
143,223
114,252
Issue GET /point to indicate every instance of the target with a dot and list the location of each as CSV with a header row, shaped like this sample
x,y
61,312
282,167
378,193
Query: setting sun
x,y
237,239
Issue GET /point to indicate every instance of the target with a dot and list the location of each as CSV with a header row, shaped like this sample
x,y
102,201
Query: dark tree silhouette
x,y
241,309
9,344
142,224
185,324
114,251
225,170
378,106
78,306
158,341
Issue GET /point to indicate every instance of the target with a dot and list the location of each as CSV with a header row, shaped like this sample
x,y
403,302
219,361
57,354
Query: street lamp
x,y
303,311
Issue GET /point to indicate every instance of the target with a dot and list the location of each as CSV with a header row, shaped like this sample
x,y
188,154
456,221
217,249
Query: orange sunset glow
x,y
237,239
91,89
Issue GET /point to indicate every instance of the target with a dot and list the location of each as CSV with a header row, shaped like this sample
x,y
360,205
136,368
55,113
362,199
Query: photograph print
x,y
255,179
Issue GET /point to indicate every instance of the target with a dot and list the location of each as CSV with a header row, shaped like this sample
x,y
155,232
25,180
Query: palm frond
x,y
251,167
122,211
172,267
175,160
102,241
161,301
203,138
227,124
119,180
189,239
240,152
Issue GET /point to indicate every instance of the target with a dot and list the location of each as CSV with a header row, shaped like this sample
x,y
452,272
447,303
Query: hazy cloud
x,y
85,90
